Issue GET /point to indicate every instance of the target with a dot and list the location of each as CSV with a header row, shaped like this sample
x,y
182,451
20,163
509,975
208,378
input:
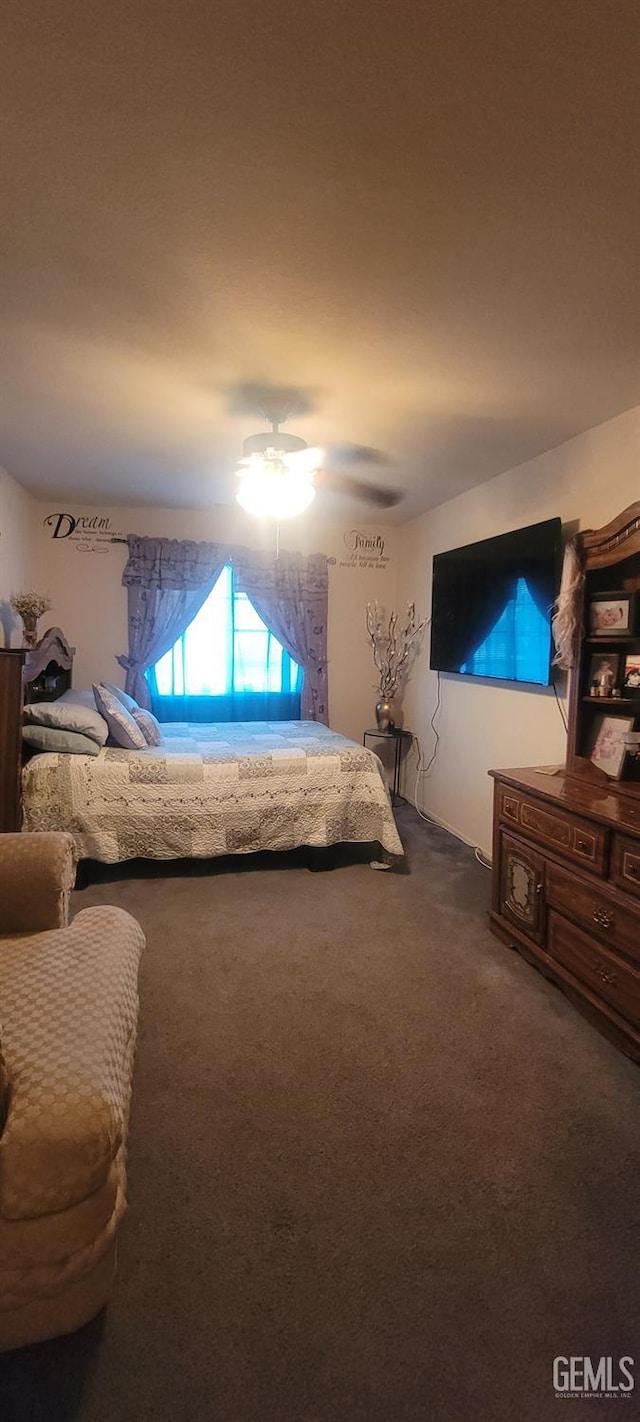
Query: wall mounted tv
x,y
492,605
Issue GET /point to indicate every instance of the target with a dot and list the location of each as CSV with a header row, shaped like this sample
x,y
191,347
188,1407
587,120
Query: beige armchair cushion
x,y
69,1006
37,874
52,1239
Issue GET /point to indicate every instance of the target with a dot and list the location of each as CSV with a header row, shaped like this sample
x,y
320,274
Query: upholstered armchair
x,y
68,1017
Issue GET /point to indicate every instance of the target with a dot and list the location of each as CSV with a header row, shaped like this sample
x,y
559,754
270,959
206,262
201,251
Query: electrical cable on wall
x,y
420,770
560,708
429,819
418,774
434,728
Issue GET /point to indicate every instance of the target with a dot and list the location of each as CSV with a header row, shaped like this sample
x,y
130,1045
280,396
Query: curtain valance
x,y
175,563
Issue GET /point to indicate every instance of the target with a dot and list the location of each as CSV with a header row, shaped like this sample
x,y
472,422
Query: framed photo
x,y
631,680
611,614
604,671
608,751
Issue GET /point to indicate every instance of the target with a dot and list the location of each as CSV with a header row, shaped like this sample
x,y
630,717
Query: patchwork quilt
x,y
229,788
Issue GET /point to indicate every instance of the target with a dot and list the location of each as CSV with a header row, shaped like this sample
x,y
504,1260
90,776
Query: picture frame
x,y
612,614
631,674
604,673
608,749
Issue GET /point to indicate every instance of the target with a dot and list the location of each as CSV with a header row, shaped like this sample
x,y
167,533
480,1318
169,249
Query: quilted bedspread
x,y
230,788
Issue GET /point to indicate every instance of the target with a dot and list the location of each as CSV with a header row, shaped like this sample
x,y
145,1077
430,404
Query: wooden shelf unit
x,y
566,847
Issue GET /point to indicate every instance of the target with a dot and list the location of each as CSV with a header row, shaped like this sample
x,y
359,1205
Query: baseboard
x,y
443,824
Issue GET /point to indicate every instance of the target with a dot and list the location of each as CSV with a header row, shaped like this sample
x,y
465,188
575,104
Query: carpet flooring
x,y
379,1168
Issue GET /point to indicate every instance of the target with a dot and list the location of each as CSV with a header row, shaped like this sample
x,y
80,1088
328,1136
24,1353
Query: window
x,y
517,647
227,665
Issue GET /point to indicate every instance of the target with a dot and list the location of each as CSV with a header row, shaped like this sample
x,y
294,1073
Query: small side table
x,y
397,735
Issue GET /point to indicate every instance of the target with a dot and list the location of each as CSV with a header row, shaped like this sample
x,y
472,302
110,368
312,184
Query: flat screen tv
x,y
492,605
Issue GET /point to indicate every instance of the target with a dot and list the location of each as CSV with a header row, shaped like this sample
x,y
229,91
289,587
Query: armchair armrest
x,y
69,1016
37,874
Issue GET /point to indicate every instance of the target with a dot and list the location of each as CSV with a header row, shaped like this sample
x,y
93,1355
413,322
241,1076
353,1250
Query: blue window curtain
x,y
226,666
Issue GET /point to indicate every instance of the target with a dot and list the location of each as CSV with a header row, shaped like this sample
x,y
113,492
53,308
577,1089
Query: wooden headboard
x,y
40,674
48,667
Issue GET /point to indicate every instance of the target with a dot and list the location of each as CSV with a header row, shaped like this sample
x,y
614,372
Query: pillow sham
x,y
50,738
129,702
122,726
68,716
149,725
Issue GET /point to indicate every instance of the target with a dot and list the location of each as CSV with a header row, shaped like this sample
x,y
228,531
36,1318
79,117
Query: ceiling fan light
x,y
306,463
267,493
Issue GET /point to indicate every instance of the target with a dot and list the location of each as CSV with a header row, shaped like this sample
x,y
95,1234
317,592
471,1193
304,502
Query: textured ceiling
x,y
427,213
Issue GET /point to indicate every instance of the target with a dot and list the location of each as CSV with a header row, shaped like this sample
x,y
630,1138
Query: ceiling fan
x,y
280,473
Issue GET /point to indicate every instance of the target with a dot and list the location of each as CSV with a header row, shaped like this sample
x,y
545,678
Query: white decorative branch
x,y
392,647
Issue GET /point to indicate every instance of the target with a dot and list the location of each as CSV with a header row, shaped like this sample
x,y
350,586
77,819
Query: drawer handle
x,y
633,870
584,845
602,918
605,975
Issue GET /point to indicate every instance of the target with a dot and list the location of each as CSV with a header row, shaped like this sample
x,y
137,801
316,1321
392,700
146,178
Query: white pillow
x,y
122,727
149,725
78,696
68,715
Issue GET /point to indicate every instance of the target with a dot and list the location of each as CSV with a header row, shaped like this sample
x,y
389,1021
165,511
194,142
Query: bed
x,y
210,790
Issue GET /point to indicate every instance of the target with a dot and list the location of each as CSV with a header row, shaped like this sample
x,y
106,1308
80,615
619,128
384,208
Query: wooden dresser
x,y
566,891
566,846
11,684
40,674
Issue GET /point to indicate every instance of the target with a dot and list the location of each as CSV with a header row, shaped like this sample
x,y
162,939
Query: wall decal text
x,y
86,533
364,550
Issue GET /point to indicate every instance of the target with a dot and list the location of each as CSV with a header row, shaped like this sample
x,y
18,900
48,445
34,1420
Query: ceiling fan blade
x,y
340,455
337,482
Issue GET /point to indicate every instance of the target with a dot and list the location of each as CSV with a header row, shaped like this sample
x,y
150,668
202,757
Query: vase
x,y
30,632
384,714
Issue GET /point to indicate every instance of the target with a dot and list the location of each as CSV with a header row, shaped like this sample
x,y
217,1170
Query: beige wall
x,y
17,555
586,482
84,571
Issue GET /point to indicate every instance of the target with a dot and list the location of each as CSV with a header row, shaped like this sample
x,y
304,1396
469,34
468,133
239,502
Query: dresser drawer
x,y
577,839
608,977
625,863
595,908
